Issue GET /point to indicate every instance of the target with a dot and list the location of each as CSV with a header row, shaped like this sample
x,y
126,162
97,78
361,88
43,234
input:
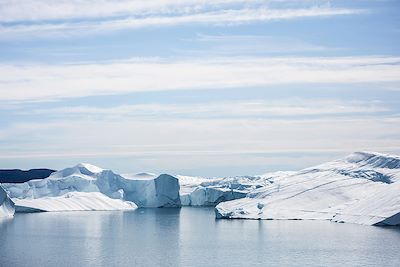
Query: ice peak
x,y
89,167
81,169
374,159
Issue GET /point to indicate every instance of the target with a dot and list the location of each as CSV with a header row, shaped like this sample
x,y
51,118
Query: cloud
x,y
212,110
249,45
42,10
158,137
195,137
41,82
197,15
47,10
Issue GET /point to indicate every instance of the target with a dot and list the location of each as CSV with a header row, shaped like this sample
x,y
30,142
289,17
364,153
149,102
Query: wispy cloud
x,y
233,109
64,19
194,137
250,45
43,10
40,82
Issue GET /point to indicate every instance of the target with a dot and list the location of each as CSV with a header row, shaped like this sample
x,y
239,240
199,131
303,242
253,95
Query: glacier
x,y
6,205
362,188
97,188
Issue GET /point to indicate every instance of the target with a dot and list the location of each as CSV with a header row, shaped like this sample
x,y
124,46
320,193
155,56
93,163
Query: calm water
x,y
189,237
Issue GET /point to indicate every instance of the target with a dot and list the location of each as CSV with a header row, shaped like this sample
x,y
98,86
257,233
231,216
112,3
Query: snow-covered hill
x,y
363,188
157,191
6,205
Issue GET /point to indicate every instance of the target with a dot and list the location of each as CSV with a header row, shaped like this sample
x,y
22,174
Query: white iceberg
x,y
6,205
362,188
62,186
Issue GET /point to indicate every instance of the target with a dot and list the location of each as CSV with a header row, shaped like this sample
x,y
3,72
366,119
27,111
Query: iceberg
x,y
6,205
148,190
362,188
200,191
210,196
88,187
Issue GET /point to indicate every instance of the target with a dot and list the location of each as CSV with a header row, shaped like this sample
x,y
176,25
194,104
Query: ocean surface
x,y
189,237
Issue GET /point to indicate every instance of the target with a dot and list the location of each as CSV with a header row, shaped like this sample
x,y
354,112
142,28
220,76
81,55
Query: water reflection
x,y
188,237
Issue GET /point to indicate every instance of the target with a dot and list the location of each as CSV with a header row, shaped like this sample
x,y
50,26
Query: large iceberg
x,y
362,188
6,205
63,186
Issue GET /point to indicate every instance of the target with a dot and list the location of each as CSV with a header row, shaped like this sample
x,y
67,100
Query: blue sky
x,y
214,88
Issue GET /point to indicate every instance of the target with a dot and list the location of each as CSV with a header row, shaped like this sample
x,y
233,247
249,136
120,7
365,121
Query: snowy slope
x,y
363,188
158,191
200,191
73,201
6,205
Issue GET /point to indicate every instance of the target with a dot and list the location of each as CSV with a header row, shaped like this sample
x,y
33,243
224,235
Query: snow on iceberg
x,y
362,188
73,201
6,205
154,191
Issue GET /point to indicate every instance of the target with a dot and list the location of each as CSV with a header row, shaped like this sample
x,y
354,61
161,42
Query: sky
x,y
208,88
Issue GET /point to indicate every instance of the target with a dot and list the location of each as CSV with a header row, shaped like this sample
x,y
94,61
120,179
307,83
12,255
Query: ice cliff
x,y
6,205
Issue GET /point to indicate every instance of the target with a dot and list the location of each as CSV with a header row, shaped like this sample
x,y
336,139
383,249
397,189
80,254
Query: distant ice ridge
x,y
59,187
199,191
362,188
6,205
